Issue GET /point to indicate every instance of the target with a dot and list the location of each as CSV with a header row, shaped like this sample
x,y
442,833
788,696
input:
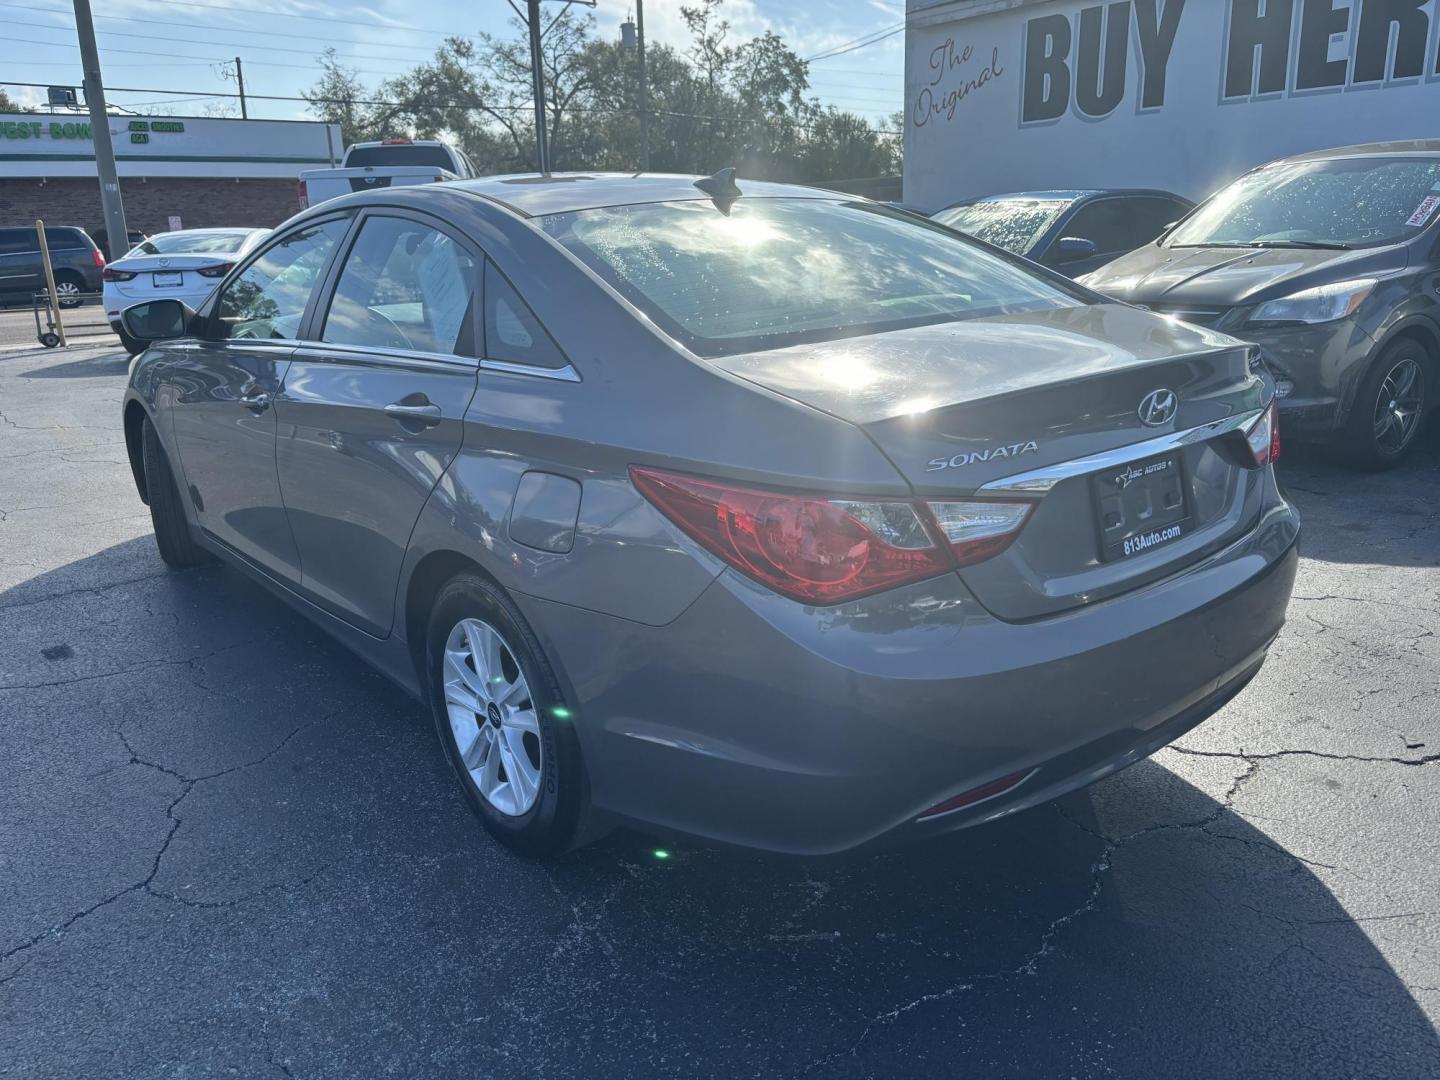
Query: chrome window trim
x,y
1039,481
505,367
324,348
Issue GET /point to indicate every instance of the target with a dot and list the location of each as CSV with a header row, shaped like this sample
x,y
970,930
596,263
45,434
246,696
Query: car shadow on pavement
x,y
1348,514
247,831
86,367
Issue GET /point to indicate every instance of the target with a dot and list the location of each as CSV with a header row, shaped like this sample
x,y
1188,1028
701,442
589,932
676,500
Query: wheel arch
x,y
1415,328
135,417
426,580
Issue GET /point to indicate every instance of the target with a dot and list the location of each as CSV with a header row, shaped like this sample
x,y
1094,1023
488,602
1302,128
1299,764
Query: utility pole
x,y
644,86
632,39
537,83
115,235
240,79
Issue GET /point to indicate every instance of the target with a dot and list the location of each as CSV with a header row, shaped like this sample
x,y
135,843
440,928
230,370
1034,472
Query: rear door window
x,y
268,299
404,286
64,239
16,241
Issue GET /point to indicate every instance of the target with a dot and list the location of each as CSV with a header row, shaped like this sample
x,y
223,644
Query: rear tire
x,y
172,531
134,346
69,289
1390,407
539,820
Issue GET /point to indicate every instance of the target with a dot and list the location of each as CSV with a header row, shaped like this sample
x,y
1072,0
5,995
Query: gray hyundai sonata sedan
x,y
756,513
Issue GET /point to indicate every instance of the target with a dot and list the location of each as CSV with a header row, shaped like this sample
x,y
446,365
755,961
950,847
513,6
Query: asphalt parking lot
x,y
228,848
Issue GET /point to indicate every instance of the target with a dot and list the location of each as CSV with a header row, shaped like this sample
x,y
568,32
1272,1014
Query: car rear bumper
x,y
757,721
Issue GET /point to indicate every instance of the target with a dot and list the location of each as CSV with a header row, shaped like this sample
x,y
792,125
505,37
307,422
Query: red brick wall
x,y
200,203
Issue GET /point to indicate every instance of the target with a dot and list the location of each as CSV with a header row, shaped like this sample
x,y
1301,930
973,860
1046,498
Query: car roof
x,y
532,194
1072,195
1395,147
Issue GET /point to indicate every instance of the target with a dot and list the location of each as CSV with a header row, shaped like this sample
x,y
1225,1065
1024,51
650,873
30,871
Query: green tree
x,y
339,97
7,103
712,103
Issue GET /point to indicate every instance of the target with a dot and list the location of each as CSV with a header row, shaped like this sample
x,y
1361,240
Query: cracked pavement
x,y
231,849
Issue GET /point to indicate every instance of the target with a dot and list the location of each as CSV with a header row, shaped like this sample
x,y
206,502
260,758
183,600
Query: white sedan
x,y
185,265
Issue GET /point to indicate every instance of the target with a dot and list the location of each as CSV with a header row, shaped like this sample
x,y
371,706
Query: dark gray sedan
x,y
1330,261
1071,231
757,513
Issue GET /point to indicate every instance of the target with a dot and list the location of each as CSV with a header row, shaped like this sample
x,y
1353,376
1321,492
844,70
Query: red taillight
x,y
394,142
814,548
98,256
111,274
218,270
303,194
1264,437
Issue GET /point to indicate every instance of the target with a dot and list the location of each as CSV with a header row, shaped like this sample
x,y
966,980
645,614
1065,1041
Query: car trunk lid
x,y
961,408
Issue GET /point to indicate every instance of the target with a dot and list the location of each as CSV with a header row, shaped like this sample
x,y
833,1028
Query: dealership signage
x,y
1182,94
60,144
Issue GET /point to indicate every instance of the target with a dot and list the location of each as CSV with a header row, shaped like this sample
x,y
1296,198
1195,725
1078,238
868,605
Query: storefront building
x,y
1183,95
175,172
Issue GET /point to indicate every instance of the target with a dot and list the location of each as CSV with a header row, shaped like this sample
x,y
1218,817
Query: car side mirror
x,y
158,320
1070,249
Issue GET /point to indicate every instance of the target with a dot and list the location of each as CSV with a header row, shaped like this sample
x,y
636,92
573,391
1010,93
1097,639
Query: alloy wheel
x,y
493,717
1398,406
67,293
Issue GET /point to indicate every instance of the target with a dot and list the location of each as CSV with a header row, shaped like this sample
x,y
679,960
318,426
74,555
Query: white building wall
x,y
1017,95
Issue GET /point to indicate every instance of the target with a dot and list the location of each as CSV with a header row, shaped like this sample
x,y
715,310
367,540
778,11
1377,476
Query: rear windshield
x,y
1349,202
398,154
776,272
1013,224
193,243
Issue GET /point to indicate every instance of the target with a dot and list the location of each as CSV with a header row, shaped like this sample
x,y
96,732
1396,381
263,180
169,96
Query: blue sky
x,y
170,44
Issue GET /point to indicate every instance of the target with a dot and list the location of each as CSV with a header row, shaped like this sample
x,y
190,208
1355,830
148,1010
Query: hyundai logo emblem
x,y
1158,407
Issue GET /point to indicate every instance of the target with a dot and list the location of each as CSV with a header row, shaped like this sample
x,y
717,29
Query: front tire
x,y
502,719
172,531
1390,407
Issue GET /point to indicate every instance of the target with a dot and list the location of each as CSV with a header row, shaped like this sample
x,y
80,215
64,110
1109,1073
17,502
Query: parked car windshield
x,y
1348,202
192,243
398,154
775,272
1013,224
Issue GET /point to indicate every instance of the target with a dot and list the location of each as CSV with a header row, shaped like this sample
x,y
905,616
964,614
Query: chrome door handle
x,y
257,401
428,415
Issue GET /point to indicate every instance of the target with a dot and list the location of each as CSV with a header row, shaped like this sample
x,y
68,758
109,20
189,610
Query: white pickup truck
x,y
390,163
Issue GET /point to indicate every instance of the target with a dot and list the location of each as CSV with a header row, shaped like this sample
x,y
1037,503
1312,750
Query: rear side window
x,y
268,299
512,333
64,239
404,286
398,154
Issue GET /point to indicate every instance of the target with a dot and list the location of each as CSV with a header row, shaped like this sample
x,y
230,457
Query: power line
x,y
859,42
368,23
219,29
207,59
439,105
862,45
199,41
